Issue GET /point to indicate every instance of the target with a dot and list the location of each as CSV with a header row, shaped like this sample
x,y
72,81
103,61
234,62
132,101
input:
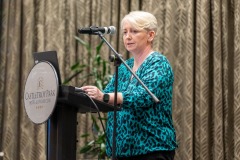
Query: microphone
x,y
96,30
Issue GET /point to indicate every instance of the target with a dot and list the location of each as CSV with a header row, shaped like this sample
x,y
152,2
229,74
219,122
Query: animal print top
x,y
142,125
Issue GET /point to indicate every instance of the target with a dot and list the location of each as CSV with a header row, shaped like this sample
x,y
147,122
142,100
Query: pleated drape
x,y
201,39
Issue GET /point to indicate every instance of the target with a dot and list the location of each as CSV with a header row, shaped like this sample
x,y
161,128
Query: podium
x,y
61,127
46,100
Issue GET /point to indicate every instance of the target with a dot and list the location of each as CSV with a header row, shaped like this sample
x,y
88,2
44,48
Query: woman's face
x,y
135,40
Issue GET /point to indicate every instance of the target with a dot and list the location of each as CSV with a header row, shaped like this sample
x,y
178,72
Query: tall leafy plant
x,y
99,73
96,146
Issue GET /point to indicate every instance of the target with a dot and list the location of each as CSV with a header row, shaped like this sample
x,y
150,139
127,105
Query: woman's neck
x,y
140,57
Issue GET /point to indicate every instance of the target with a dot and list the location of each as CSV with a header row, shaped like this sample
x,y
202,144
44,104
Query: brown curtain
x,y
201,38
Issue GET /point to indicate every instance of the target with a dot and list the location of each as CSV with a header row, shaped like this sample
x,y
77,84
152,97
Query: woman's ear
x,y
151,35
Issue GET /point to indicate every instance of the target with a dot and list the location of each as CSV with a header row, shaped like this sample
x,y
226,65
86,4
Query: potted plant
x,y
99,73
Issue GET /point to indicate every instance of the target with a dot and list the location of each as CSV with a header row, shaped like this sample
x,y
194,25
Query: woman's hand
x,y
93,92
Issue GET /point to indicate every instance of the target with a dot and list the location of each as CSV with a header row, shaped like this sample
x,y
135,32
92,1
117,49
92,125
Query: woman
x,y
144,128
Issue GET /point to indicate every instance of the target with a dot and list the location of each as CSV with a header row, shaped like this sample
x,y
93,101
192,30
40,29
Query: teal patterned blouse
x,y
142,125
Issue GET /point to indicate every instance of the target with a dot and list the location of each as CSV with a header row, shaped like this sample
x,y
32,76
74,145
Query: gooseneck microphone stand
x,y
118,61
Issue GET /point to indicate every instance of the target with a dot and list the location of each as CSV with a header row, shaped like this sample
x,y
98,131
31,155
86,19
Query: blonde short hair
x,y
141,20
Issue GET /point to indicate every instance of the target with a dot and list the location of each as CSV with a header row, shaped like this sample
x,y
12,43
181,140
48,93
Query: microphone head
x,y
96,30
111,30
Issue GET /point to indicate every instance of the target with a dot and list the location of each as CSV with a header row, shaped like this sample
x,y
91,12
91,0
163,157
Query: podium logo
x,y
39,95
40,83
41,92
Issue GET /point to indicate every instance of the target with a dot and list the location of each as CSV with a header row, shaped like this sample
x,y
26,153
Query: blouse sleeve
x,y
157,75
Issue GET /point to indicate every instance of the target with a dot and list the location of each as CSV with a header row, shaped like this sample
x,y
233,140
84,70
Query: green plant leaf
x,y
95,125
98,48
85,149
88,47
71,77
85,135
78,66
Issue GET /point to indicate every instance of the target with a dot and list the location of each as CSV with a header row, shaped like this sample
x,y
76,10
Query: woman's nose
x,y
128,35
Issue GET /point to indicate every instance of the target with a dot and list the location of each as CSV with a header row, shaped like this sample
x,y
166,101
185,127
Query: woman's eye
x,y
135,31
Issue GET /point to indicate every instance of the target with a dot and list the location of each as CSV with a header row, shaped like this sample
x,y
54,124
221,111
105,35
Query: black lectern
x,y
62,123
61,137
